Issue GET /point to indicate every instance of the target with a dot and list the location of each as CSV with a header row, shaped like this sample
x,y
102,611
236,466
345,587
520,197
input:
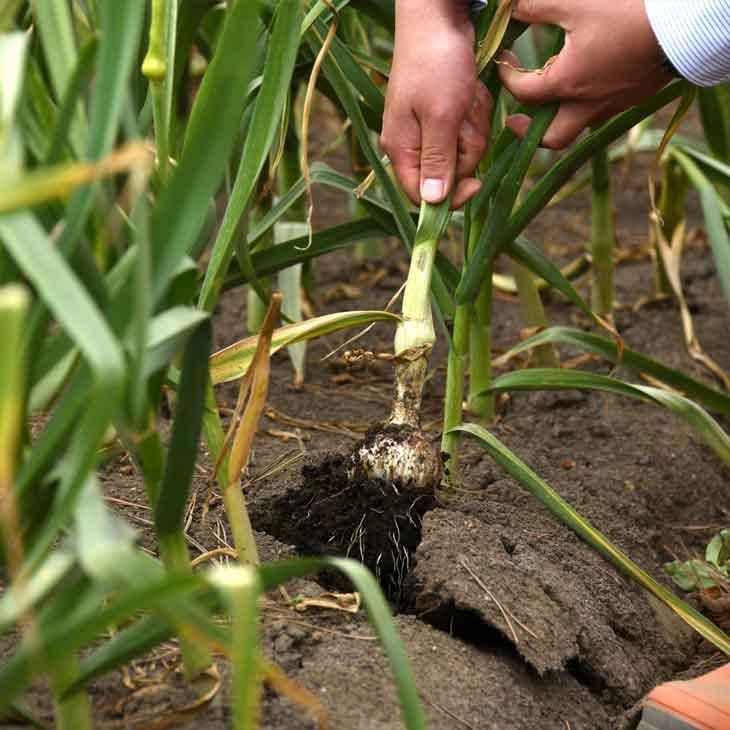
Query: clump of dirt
x,y
330,512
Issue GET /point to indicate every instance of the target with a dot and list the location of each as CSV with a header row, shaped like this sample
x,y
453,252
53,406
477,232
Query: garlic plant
x,y
398,450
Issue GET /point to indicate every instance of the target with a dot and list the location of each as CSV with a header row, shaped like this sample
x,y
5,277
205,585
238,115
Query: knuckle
x,y
441,116
448,113
434,157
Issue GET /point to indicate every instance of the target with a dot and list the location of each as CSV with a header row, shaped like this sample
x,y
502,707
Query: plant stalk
x,y
603,235
156,67
672,198
255,306
241,588
415,334
454,400
176,558
73,712
533,313
233,499
481,404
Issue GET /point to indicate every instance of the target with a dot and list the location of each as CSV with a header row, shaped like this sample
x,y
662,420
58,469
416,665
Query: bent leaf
x,y
555,379
631,359
231,362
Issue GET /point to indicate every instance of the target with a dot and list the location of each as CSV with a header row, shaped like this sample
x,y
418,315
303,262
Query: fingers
x,y
532,87
401,141
429,156
439,143
474,134
572,118
464,191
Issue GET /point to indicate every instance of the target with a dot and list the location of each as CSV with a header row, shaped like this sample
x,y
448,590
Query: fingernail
x,y
432,191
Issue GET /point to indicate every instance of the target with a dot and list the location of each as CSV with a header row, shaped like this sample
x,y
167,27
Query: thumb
x,y
531,87
439,146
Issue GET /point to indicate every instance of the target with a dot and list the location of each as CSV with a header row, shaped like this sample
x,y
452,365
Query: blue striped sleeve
x,y
695,36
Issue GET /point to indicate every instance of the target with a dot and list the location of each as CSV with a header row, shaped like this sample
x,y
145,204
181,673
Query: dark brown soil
x,y
510,621
332,513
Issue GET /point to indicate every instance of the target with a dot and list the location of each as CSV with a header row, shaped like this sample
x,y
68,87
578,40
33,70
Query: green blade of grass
x,y
504,200
322,9
58,41
174,491
82,628
114,62
77,85
167,334
714,104
635,361
717,232
43,264
169,511
525,476
240,587
556,379
209,139
298,250
13,49
281,57
319,174
17,602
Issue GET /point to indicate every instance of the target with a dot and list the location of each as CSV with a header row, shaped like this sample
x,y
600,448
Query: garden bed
x,y
509,620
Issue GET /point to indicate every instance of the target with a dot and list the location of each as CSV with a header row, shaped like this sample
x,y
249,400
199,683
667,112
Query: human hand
x,y
611,61
436,122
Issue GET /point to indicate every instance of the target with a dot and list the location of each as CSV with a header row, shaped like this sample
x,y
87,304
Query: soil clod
x,y
332,513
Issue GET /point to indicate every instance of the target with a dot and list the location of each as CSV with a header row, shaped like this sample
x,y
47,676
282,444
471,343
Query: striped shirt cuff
x,y
695,36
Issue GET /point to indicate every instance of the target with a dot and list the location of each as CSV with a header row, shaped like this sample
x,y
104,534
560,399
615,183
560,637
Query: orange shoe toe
x,y
698,704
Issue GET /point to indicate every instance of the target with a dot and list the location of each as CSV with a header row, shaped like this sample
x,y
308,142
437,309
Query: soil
x,y
509,620
332,512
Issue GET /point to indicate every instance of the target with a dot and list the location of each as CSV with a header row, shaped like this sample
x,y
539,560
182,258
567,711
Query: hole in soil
x,y
584,675
466,625
368,519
